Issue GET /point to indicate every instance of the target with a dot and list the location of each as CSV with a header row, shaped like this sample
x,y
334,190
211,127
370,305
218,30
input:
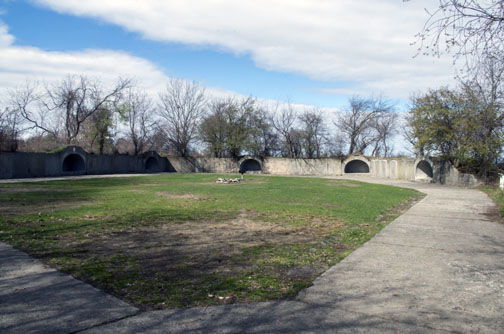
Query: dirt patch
x,y
192,249
493,214
13,207
343,184
17,190
206,241
193,197
16,208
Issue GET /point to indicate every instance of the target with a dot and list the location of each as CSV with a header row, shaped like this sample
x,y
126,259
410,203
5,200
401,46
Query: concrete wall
x,y
284,166
397,169
405,169
75,161
64,163
203,165
21,165
445,173
274,166
380,168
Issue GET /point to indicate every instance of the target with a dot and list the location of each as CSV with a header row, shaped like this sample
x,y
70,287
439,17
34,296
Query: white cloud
x,y
366,42
5,38
19,63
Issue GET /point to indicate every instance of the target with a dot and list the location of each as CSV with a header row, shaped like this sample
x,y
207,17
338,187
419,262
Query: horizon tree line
x,y
184,121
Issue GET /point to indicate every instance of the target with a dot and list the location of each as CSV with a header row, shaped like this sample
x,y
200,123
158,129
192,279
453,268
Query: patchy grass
x,y
181,240
497,196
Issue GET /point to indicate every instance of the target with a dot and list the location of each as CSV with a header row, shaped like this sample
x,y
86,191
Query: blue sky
x,y
307,52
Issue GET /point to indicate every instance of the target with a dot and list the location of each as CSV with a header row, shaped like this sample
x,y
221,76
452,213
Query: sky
x,y
308,52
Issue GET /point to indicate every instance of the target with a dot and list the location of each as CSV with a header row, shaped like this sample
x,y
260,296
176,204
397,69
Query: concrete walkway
x,y
439,268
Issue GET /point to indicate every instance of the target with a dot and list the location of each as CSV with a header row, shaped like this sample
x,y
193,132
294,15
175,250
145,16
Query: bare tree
x,y
335,145
385,127
63,108
27,102
408,134
138,111
472,29
314,133
358,123
78,98
10,129
182,106
284,121
295,148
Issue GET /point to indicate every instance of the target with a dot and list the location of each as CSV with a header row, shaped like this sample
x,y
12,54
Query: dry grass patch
x,y
193,197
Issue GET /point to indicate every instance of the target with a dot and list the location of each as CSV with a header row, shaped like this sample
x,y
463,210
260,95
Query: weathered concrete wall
x,y
405,169
283,166
203,165
380,168
274,166
21,165
75,161
445,173
398,169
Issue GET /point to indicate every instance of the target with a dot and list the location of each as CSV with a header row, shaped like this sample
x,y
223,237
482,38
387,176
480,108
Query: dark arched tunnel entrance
x,y
424,170
152,165
73,163
356,166
250,165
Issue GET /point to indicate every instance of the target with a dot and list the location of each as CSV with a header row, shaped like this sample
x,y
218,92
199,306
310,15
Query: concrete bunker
x,y
423,170
356,166
73,163
152,165
250,165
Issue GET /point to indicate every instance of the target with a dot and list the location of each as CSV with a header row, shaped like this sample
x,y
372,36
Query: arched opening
x,y
74,163
424,170
250,165
152,165
356,166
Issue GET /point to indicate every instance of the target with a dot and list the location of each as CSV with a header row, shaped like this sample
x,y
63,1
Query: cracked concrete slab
x,y
272,317
439,265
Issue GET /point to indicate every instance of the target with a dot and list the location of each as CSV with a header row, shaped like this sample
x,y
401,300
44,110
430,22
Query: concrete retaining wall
x,y
75,161
21,165
445,173
203,165
283,166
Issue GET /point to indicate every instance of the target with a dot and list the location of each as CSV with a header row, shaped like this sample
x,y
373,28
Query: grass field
x,y
181,240
497,196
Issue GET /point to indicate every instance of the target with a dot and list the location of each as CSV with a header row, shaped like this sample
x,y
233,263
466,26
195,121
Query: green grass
x,y
182,240
497,196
